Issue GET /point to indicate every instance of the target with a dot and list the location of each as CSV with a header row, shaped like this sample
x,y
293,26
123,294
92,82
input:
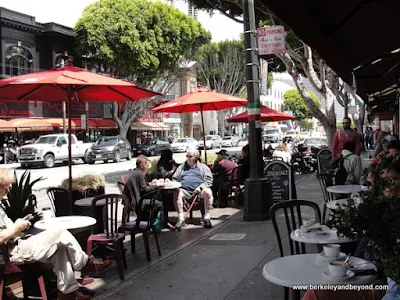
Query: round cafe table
x,y
305,269
66,222
346,189
312,237
172,185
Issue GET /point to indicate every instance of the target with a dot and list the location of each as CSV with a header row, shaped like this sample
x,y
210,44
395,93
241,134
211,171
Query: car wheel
x,y
129,155
187,149
85,158
91,162
212,146
105,161
49,161
117,157
231,145
25,166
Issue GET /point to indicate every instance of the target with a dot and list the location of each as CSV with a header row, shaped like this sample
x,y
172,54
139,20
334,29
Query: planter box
x,y
76,195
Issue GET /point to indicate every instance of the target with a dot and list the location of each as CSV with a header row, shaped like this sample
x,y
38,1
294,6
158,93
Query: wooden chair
x,y
235,189
10,274
325,180
111,236
59,199
134,227
293,220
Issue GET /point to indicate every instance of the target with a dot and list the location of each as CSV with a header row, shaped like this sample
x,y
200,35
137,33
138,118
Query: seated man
x,y
137,183
196,178
352,163
222,170
54,246
244,170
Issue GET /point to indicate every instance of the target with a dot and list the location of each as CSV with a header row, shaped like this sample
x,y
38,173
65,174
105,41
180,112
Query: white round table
x,y
346,189
330,237
173,185
304,269
67,222
335,203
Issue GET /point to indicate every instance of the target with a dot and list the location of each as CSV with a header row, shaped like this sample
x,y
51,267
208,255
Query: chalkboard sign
x,y
324,156
282,180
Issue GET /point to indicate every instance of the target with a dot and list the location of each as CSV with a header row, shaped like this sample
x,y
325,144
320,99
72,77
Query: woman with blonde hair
x,y
282,151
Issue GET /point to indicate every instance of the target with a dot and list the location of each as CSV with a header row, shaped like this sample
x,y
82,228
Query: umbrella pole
x,y
69,155
204,137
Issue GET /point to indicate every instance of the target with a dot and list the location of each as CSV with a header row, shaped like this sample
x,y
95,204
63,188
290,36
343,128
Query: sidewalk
x,y
224,263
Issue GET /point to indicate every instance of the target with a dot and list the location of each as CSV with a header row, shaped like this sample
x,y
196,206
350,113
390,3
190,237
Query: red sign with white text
x,y
271,40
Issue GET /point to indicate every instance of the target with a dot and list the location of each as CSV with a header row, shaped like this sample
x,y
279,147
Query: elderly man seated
x,y
196,178
57,247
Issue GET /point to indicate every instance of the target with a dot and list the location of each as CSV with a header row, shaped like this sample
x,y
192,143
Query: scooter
x,y
302,162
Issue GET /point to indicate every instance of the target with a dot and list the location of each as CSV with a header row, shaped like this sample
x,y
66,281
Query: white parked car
x,y
212,141
230,141
243,142
184,145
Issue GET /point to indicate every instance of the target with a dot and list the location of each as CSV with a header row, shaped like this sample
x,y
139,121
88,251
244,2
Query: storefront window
x,y
18,60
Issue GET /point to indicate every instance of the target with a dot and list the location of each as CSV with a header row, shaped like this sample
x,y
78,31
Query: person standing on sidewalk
x,y
344,135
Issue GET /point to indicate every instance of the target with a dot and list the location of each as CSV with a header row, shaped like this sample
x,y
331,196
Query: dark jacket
x,y
244,169
164,169
137,183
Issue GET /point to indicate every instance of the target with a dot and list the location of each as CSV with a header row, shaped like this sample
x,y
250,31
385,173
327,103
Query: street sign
x,y
271,40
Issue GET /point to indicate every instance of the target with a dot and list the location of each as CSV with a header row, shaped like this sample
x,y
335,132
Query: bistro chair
x,y
325,181
111,236
9,274
59,199
135,226
293,220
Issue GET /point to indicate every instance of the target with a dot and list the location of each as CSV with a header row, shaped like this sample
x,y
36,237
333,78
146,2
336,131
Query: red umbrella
x,y
201,100
267,115
70,84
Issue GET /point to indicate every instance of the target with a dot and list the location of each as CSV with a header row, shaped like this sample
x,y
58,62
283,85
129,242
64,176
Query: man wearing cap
x,y
343,135
222,170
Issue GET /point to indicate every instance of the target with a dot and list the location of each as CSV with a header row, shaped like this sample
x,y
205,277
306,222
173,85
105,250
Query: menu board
x,y
324,156
281,180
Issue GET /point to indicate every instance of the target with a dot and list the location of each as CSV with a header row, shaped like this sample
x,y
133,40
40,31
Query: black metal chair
x,y
59,199
136,226
325,180
293,220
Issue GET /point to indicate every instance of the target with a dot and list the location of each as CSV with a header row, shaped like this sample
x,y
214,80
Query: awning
x,y
154,126
357,36
106,124
23,124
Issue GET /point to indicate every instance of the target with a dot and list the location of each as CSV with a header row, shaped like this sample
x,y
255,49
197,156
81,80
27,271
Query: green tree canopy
x,y
294,101
306,125
138,38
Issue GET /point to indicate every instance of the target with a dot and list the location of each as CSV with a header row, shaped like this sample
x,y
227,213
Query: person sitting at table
x,y
282,152
137,182
352,163
166,166
222,171
244,163
196,179
56,246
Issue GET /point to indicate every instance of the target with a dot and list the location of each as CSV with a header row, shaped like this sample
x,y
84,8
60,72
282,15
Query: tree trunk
x,y
123,131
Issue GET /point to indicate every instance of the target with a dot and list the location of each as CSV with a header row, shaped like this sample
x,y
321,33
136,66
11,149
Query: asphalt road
x,y
112,171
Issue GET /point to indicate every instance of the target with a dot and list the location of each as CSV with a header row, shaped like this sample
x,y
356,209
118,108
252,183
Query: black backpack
x,y
340,172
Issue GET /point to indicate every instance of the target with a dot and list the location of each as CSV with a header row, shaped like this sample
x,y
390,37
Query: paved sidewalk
x,y
225,263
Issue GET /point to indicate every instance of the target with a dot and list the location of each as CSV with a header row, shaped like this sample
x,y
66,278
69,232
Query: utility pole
x,y
257,200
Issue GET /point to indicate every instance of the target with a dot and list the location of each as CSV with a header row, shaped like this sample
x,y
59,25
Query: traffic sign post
x,y
271,40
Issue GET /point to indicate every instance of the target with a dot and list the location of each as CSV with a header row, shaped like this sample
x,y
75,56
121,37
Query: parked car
x,y
273,135
318,142
152,147
48,149
184,145
230,141
109,148
243,142
212,141
289,136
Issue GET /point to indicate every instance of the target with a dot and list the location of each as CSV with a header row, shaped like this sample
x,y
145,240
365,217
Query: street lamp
x,y
257,200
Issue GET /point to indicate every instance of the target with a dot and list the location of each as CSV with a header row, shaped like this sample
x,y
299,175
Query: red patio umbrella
x,y
200,100
267,115
69,84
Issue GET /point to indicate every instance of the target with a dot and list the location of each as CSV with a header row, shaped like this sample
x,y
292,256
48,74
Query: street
x,y
112,171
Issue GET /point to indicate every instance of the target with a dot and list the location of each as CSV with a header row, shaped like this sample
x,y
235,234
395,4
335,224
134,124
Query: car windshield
x,y
208,138
290,133
271,132
106,142
182,141
227,138
46,140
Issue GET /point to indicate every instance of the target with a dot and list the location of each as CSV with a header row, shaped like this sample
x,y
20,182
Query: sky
x,y
68,12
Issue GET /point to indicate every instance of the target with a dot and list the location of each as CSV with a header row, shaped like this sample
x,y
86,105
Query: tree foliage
x,y
306,125
141,40
294,101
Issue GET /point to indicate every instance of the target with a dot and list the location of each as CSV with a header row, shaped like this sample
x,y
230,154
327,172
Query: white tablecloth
x,y
346,189
67,222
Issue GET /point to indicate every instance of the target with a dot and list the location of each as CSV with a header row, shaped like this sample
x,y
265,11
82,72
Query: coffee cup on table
x,y
332,250
337,268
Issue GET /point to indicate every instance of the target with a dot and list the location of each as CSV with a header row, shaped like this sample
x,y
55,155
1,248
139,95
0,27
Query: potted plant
x,y
20,200
93,182
211,157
